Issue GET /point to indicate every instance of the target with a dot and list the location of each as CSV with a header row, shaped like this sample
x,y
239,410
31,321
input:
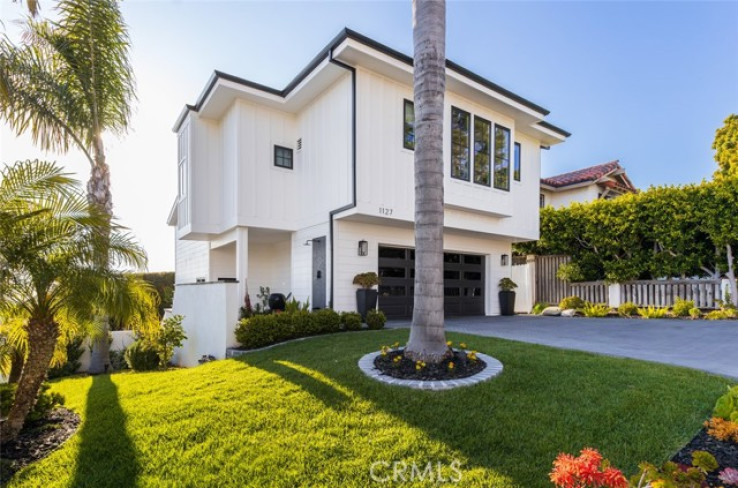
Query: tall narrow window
x,y
542,200
502,158
482,154
460,144
182,162
408,126
283,157
516,162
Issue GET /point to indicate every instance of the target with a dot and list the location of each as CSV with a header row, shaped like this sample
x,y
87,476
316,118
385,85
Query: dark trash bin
x,y
277,301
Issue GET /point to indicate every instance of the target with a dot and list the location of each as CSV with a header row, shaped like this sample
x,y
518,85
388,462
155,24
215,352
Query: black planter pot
x,y
507,303
365,301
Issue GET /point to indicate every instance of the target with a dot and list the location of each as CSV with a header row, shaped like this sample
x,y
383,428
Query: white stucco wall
x,y
210,312
270,265
565,197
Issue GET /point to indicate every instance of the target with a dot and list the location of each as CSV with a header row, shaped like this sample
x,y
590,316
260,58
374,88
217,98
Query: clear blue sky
x,y
647,83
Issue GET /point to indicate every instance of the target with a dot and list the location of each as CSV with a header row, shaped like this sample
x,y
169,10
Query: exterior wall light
x,y
363,248
503,259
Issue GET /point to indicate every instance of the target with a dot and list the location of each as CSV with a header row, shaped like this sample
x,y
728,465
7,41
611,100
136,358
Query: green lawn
x,y
302,414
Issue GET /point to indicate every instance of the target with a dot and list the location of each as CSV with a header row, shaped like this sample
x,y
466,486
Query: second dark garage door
x,y
463,282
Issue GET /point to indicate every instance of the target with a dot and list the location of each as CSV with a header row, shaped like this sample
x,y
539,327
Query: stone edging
x,y
494,367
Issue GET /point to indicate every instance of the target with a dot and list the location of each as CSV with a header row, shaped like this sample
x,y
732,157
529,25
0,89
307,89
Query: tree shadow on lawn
x,y
107,456
545,402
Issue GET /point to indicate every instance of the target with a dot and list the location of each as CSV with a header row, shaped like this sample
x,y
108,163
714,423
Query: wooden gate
x,y
549,288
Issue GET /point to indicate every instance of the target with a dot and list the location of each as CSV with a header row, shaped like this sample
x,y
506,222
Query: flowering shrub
x,y
588,470
670,475
729,476
723,430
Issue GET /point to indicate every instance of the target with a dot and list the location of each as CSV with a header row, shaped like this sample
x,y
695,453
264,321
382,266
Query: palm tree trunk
x,y
427,339
98,194
16,367
42,337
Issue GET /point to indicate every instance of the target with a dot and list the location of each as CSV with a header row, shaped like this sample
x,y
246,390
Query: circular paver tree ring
x,y
494,367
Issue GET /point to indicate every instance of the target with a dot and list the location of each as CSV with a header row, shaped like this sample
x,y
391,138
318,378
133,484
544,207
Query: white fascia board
x,y
546,136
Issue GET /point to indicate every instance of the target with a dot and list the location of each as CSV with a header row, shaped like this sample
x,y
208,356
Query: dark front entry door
x,y
463,281
319,283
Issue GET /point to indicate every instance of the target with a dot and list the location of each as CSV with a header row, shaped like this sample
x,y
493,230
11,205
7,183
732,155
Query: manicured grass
x,y
302,414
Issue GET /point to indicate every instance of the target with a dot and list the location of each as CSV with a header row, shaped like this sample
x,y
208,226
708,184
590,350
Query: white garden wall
x,y
210,312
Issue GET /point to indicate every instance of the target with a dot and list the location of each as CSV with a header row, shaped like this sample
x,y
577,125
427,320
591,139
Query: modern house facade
x,y
300,189
607,181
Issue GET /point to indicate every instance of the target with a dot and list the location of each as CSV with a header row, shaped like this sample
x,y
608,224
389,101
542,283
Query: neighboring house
x,y
585,185
302,188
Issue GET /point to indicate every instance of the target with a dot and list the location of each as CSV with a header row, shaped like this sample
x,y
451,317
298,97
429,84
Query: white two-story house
x,y
300,189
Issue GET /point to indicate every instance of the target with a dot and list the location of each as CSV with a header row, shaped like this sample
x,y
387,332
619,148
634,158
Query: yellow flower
x,y
397,359
383,353
396,345
451,365
449,343
462,345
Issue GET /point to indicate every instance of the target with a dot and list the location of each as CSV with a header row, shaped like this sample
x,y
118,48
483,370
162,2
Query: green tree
x,y
67,85
49,249
427,338
718,202
726,148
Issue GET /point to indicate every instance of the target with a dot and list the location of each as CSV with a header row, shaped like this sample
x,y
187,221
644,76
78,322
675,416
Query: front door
x,y
318,295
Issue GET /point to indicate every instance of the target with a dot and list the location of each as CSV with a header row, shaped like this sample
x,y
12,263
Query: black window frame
x,y
468,142
495,160
277,157
488,154
517,161
541,200
405,143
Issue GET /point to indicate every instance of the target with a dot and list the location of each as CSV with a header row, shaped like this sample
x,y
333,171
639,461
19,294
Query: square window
x,y
283,157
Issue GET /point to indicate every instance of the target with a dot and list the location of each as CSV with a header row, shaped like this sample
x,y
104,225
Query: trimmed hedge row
x,y
263,330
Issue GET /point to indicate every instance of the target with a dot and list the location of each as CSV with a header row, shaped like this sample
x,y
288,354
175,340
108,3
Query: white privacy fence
x,y
663,293
537,281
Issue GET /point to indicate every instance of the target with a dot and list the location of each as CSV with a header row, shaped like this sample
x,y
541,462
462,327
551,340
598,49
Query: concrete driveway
x,y
708,346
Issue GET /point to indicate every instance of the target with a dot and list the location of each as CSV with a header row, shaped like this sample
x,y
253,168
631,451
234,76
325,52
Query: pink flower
x,y
729,476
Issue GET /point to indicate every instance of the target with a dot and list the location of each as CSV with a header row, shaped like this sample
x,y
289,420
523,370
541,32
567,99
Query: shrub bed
x,y
263,330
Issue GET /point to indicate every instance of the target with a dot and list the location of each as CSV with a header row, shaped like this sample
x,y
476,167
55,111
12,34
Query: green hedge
x,y
164,284
263,330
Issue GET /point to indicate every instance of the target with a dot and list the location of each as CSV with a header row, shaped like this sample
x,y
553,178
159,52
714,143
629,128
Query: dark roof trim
x,y
552,127
347,33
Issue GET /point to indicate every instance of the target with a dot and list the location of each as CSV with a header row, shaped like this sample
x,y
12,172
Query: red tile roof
x,y
593,173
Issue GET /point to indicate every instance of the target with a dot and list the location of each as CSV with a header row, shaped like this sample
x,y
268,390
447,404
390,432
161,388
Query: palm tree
x,y
50,245
427,339
67,84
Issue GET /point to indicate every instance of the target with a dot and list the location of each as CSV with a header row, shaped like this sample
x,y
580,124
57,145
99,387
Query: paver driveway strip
x,y
710,346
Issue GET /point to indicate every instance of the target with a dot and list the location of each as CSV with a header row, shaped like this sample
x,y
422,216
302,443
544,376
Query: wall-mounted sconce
x,y
309,242
363,248
503,259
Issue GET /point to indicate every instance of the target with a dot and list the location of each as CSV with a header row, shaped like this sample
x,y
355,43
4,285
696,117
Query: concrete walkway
x,y
708,346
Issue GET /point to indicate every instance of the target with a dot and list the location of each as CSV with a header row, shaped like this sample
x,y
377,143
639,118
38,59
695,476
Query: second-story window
x,y
502,158
516,162
482,155
408,126
283,157
542,200
182,144
460,144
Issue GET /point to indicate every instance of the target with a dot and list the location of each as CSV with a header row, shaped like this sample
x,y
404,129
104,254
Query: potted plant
x,y
507,296
366,296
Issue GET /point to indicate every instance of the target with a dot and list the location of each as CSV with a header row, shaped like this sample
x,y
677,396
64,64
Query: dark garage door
x,y
463,282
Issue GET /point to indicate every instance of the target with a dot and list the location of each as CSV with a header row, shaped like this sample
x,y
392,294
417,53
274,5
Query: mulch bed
x,y
407,370
36,441
726,454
